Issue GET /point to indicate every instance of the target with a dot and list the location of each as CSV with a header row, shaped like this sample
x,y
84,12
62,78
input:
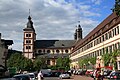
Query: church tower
x,y
29,39
78,33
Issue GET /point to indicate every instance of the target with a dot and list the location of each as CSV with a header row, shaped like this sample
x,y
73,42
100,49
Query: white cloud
x,y
53,19
97,1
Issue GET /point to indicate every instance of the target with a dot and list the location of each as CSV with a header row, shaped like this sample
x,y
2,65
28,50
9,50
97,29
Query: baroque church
x,y
49,49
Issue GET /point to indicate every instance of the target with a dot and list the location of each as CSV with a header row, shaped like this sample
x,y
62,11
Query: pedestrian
x,y
40,75
98,75
94,74
102,74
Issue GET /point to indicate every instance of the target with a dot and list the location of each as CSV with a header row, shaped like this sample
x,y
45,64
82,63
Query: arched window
x,y
66,51
57,51
40,51
48,51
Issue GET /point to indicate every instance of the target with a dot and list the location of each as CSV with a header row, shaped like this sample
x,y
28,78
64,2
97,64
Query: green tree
x,y
39,63
116,8
93,60
110,58
59,62
15,60
27,64
113,57
63,63
87,62
106,58
20,62
81,63
66,63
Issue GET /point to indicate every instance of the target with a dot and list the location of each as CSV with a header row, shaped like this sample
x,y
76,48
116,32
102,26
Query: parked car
x,y
22,77
114,75
32,76
107,73
8,79
64,76
89,73
55,74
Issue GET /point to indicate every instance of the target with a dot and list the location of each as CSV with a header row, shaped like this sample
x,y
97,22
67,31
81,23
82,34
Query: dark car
x,y
115,75
55,74
8,79
107,73
22,77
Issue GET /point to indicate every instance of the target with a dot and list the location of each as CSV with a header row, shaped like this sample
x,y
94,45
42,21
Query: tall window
x,y
28,41
28,47
110,48
113,32
106,49
28,35
117,29
106,36
110,35
48,62
103,38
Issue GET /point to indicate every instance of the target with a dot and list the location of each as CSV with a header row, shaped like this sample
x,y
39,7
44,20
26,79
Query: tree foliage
x,y
63,63
87,61
106,57
20,62
116,8
111,58
39,63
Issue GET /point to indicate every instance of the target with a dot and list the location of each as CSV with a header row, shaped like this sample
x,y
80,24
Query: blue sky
x,y
53,19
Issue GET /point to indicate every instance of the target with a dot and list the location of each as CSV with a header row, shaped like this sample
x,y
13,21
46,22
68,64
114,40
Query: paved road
x,y
76,77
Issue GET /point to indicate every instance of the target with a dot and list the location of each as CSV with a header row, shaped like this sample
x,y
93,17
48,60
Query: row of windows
x,y
102,51
111,33
99,32
49,51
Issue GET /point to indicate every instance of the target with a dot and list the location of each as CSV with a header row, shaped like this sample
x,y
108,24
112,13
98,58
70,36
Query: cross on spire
x,y
29,11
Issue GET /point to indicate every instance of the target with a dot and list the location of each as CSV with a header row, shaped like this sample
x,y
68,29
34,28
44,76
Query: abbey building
x,y
49,49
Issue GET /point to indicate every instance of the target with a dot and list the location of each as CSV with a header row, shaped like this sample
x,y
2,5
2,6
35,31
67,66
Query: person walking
x,y
40,76
102,74
98,75
94,74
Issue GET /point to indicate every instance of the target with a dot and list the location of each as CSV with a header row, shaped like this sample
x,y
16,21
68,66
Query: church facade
x,y
49,49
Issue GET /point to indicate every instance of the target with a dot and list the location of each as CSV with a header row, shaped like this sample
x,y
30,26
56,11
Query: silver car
x,y
64,76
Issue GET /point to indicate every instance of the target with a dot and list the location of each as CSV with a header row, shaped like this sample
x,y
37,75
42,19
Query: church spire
x,y
78,32
30,23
